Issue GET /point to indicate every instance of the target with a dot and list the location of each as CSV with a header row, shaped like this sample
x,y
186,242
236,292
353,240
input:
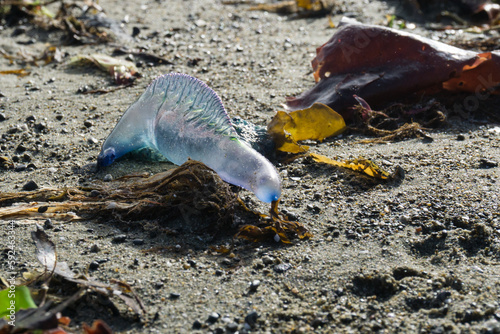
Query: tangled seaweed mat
x,y
191,190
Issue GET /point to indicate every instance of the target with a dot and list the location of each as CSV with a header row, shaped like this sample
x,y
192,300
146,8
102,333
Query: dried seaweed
x,y
19,72
275,226
397,122
192,192
296,8
191,186
81,23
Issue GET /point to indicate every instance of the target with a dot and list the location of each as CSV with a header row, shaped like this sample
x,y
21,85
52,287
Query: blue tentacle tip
x,y
106,158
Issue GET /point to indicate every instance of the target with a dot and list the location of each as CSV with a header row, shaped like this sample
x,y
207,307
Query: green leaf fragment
x,y
15,299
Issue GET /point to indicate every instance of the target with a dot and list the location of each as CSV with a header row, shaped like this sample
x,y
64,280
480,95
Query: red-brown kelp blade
x,y
381,65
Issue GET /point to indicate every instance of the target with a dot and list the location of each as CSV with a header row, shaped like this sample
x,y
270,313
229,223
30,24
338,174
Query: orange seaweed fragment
x,y
19,72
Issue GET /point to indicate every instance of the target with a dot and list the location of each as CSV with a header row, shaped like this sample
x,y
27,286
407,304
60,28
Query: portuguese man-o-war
x,y
181,117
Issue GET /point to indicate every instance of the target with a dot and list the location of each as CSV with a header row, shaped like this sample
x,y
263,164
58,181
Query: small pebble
x,y
21,148
251,319
88,124
26,157
41,126
138,242
232,327
20,167
159,285
108,177
460,137
47,225
93,265
2,117
213,317
197,324
267,260
254,285
83,89
174,295
486,163
282,267
95,248
30,185
92,140
119,238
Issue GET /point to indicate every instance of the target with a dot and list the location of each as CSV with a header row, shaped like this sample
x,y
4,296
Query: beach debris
x,y
385,126
6,163
46,254
275,227
45,318
123,72
19,72
192,194
380,65
296,8
182,118
82,24
51,54
314,123
23,315
461,11
140,53
361,165
98,327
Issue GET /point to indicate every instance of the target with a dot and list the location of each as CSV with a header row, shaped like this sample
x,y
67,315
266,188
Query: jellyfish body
x,y
182,118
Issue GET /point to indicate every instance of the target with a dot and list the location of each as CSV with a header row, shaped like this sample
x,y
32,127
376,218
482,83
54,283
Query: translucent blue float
x,y
181,117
